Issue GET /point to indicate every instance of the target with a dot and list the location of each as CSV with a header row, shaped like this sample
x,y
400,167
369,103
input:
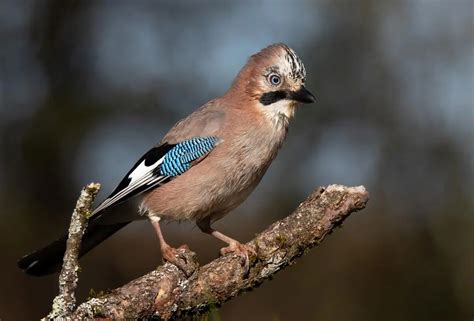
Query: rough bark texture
x,y
65,302
167,293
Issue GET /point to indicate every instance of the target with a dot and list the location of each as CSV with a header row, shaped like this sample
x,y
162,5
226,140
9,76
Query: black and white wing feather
x,y
143,176
157,167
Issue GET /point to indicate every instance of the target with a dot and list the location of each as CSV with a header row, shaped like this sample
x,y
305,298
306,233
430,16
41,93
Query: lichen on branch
x,y
167,293
65,302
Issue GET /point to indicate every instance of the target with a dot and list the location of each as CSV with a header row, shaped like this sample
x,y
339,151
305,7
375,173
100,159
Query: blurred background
x,y
86,87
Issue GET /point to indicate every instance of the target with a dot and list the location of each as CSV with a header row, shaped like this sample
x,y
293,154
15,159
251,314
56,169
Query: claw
x,y
241,250
184,247
181,257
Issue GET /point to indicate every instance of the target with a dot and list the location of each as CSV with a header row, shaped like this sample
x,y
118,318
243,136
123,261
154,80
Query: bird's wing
x,y
205,121
158,166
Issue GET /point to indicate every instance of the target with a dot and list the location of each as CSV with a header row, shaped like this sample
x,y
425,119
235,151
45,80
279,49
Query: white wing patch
x,y
143,170
142,175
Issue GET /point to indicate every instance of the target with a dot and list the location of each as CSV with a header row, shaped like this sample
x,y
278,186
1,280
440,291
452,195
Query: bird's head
x,y
274,79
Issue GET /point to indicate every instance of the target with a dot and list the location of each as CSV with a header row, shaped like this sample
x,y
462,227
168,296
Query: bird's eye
x,y
274,79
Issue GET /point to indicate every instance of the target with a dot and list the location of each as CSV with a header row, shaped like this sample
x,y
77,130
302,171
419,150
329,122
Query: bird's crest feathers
x,y
297,70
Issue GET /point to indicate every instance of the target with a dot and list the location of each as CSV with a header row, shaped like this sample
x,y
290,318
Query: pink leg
x,y
234,246
169,253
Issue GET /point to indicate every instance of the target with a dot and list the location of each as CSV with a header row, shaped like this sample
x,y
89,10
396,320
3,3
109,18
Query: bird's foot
x,y
182,257
241,250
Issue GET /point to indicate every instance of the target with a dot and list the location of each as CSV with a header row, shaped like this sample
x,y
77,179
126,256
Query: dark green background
x,y
87,86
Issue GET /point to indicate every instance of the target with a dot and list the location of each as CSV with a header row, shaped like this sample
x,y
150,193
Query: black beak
x,y
302,95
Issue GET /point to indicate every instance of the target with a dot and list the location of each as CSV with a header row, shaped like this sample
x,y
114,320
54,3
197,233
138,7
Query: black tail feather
x,y
49,259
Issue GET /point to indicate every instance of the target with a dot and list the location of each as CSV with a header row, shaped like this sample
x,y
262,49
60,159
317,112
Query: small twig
x,y
65,302
167,293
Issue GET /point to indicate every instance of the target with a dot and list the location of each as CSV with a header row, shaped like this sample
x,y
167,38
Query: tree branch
x,y
65,302
167,293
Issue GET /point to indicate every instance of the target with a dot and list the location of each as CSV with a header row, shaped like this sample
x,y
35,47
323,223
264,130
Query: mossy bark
x,y
167,293
65,302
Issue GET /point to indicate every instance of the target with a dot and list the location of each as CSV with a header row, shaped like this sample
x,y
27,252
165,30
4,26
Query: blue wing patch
x,y
178,159
157,167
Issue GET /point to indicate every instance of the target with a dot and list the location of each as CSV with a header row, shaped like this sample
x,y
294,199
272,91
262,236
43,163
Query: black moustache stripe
x,y
272,97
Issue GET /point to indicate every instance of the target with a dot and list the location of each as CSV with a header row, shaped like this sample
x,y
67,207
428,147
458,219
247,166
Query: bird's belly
x,y
195,195
220,182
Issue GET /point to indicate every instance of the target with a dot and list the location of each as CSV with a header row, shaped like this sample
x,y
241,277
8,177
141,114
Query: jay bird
x,y
207,164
